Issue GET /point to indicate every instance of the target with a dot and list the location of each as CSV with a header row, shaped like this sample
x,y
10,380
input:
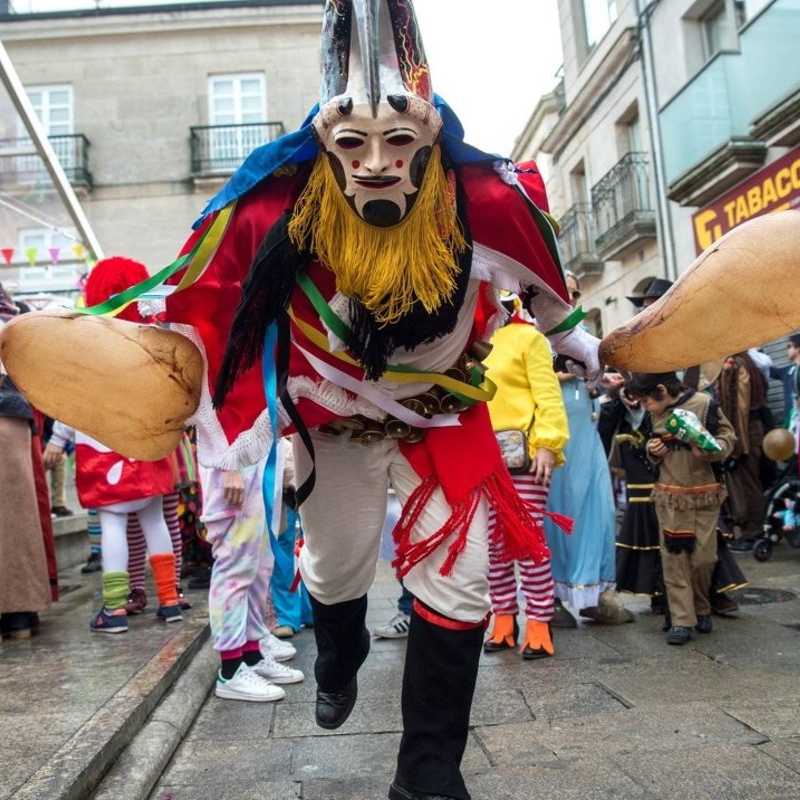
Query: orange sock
x,y
163,566
503,630
537,636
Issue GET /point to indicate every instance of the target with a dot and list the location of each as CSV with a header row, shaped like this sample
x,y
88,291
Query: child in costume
x,y
529,408
239,607
117,486
688,496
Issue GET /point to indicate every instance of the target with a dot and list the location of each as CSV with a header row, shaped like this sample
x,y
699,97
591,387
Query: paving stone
x,y
20,760
225,719
786,751
515,745
587,779
733,772
346,789
294,720
645,728
499,708
256,790
772,717
655,681
361,757
199,762
579,700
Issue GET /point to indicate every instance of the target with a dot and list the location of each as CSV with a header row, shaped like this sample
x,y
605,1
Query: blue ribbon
x,y
270,378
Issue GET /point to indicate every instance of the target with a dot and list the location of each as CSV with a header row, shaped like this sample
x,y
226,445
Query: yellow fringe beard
x,y
387,269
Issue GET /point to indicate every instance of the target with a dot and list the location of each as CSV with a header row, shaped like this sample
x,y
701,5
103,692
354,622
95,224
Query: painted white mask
x,y
379,162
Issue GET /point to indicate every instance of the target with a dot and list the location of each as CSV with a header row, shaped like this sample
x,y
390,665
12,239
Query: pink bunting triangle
x,y
55,253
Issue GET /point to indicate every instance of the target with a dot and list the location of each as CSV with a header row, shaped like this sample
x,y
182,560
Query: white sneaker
x,y
277,648
396,628
274,672
246,684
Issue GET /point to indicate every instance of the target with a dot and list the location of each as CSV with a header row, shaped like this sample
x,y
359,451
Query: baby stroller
x,y
782,517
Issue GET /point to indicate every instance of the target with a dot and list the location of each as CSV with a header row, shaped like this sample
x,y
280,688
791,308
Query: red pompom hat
x,y
111,276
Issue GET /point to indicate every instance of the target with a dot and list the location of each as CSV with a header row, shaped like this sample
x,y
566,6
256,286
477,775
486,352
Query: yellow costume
x,y
529,395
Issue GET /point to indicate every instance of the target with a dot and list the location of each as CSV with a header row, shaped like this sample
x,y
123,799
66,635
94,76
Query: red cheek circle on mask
x,y
356,164
398,163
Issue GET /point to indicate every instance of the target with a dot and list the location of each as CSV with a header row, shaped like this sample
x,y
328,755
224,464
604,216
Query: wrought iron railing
x,y
220,149
622,198
21,164
576,237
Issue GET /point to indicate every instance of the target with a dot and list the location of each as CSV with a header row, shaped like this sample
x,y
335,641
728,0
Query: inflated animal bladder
x,y
741,292
132,387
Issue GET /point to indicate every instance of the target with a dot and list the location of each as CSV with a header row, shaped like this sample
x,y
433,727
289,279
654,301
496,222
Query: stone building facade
x,y
665,110
149,108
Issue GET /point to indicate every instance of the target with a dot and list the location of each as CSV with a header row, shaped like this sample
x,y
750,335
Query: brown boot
x,y
504,634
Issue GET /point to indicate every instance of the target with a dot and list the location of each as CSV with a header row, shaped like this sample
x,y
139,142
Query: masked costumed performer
x,y
381,277
361,256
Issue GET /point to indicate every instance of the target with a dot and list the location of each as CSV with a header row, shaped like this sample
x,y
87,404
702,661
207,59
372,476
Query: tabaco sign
x,y
774,188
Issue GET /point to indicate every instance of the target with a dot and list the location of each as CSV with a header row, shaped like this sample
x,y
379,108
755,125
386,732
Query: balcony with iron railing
x,y
217,150
623,203
22,166
576,240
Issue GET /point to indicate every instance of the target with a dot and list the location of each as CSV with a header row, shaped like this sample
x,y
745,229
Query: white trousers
x,y
114,527
343,518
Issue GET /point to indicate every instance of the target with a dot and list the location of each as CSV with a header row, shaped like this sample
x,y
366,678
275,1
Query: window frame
x,y
237,78
47,89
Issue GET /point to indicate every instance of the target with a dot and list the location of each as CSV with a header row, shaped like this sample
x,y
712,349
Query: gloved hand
x,y
578,345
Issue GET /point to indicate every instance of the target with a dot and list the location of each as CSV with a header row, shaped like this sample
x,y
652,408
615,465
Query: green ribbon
x,y
340,329
568,323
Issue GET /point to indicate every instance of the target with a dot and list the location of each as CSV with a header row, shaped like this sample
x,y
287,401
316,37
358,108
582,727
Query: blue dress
x,y
584,561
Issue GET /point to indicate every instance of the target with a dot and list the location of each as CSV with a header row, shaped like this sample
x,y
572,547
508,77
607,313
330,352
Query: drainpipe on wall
x,y
666,234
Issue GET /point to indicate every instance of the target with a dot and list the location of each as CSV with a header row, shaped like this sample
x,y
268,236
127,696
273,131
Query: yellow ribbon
x,y
482,393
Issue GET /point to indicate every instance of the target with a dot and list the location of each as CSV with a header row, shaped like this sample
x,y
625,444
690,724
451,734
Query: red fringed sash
x,y
466,464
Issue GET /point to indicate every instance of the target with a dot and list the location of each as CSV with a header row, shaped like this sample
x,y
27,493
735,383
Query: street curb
x,y
74,771
140,766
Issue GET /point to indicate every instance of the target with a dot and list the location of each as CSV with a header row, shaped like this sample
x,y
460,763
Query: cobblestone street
x,y
616,714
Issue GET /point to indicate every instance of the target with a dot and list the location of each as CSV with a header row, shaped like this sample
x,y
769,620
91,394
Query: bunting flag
x,y
8,254
32,254
55,254
79,251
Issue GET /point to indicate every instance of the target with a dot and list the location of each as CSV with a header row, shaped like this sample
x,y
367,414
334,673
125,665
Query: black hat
x,y
644,383
657,288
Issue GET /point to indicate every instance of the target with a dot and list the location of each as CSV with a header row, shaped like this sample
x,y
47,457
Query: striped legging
x,y
536,580
137,548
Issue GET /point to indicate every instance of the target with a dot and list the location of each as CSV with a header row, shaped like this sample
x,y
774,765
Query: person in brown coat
x,y
688,496
24,583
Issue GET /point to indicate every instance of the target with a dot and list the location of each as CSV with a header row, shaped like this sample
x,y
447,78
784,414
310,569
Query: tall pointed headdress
x,y
372,52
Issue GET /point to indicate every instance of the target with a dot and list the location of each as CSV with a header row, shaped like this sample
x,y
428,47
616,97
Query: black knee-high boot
x,y
438,684
342,646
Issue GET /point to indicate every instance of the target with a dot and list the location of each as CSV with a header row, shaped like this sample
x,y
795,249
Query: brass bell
x,y
415,435
457,374
397,429
371,436
452,404
480,350
419,405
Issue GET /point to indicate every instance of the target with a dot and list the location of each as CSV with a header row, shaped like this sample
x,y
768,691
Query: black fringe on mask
x,y
372,344
265,294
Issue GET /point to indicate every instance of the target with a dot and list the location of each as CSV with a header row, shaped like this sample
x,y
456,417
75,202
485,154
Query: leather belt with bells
x,y
469,369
